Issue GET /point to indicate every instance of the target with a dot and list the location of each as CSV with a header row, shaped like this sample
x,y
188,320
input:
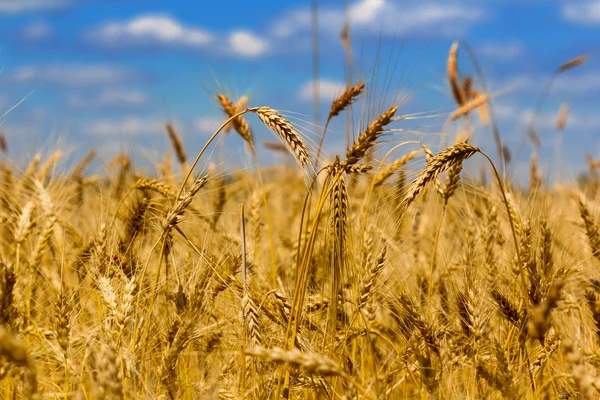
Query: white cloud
x,y
502,51
504,111
366,11
386,17
577,83
20,6
247,44
163,30
565,84
208,124
150,29
38,31
109,98
127,126
71,75
576,121
328,90
584,12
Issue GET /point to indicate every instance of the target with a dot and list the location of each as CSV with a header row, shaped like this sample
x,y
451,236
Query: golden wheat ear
x,y
345,99
3,143
367,139
575,62
286,132
561,120
457,90
447,159
239,123
469,106
390,169
177,143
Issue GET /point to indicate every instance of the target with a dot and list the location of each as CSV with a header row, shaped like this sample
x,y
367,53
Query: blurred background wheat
x,y
387,212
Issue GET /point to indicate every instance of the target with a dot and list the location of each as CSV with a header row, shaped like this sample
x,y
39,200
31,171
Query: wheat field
x,y
410,273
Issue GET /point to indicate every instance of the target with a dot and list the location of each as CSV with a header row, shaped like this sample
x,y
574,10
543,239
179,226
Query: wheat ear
x,y
393,167
469,106
285,130
239,123
453,156
177,143
345,99
575,62
367,139
457,90
561,120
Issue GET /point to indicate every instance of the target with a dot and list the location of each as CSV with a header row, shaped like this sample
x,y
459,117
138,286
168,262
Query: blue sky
x,y
108,74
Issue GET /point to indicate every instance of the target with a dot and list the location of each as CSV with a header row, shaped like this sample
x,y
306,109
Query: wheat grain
x,y
367,139
591,228
239,123
393,167
313,363
469,106
47,166
575,62
275,121
457,90
176,143
561,120
447,159
345,99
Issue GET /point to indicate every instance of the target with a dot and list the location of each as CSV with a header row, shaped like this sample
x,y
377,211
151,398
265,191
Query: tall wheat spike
x,y
239,123
286,132
445,160
393,167
366,140
457,90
